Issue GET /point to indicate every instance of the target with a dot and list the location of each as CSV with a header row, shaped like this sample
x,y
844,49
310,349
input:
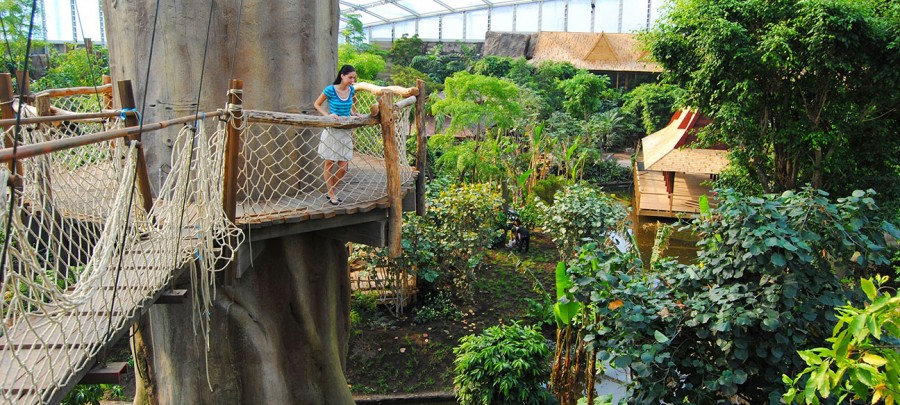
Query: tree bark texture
x,y
278,336
286,55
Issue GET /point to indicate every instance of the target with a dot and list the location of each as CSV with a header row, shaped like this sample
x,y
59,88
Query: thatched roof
x,y
667,150
591,51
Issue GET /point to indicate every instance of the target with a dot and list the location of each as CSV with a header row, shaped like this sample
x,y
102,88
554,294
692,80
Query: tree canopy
x,y
795,89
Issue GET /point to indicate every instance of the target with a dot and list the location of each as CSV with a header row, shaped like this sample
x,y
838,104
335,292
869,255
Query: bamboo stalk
x,y
86,117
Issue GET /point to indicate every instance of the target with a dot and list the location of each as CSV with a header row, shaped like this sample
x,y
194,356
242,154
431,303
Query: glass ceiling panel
x,y
424,6
389,11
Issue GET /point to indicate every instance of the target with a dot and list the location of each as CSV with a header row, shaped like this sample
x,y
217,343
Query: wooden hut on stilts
x,y
670,176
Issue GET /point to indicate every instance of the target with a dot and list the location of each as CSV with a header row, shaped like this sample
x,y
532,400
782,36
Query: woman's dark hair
x,y
345,70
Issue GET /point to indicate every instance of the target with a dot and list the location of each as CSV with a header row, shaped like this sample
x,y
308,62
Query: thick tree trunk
x,y
279,335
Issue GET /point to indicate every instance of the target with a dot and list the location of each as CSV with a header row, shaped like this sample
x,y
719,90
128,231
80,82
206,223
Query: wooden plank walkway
x,y
655,202
44,355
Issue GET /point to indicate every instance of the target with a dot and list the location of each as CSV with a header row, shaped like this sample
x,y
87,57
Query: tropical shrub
x,y
578,213
367,64
768,274
405,48
862,361
74,68
502,365
546,189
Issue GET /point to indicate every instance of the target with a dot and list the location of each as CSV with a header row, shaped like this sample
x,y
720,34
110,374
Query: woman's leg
x,y
329,179
341,171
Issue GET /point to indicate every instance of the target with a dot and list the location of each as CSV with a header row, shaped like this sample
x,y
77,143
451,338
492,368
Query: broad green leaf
x,y
868,287
563,282
704,206
660,337
874,359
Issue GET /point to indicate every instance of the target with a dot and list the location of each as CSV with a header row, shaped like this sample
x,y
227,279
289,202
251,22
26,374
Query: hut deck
x,y
650,188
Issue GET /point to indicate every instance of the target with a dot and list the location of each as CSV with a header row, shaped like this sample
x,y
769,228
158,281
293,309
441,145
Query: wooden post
x,y
89,46
22,81
392,170
637,188
233,148
232,152
107,96
42,105
421,148
126,100
8,112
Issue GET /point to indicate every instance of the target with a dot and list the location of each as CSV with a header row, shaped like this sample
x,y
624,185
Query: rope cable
x,y
237,36
15,145
134,179
90,61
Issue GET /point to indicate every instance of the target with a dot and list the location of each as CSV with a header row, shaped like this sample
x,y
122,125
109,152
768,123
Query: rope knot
x,y
123,114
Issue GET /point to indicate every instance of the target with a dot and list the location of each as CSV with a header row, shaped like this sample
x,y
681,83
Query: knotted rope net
x,y
85,257
283,166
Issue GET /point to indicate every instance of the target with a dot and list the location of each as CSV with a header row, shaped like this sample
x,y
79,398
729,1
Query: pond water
x,y
682,243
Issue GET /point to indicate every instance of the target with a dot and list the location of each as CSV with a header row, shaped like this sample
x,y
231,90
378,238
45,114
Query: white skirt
x,y
336,144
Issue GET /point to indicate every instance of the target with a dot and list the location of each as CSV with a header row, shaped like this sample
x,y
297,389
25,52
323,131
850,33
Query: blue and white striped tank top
x,y
337,105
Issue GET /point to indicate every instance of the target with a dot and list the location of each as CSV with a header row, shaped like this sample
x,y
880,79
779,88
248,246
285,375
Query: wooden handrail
x,y
41,148
317,121
67,117
75,91
379,90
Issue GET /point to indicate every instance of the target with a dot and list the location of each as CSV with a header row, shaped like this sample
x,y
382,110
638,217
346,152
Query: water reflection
x,y
682,244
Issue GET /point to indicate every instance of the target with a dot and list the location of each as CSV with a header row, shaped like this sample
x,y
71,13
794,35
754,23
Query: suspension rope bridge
x,y
91,248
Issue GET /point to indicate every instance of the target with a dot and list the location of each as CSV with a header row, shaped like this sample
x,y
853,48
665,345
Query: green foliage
x,y
448,244
578,213
797,86
353,33
75,68
503,365
16,16
439,65
768,275
652,105
494,66
546,189
601,171
480,102
93,394
862,362
363,308
438,306
584,93
546,79
367,64
405,48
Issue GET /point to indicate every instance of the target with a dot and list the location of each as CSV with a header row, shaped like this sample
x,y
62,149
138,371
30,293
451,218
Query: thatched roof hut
x,y
593,51
666,150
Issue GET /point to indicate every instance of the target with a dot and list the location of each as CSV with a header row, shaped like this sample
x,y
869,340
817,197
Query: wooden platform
x,y
652,200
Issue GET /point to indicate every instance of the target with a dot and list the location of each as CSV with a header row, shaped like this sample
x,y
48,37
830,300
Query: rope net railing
x,y
85,257
283,166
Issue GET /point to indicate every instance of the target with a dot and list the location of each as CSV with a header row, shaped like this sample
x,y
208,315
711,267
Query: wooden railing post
x,y
126,100
233,147
8,112
232,152
392,170
421,148
107,96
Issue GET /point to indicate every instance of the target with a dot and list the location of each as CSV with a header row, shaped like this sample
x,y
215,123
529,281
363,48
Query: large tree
x,y
796,88
279,334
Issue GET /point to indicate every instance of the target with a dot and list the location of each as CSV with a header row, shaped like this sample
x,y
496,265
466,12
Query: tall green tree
x,y
584,93
794,87
479,102
404,49
15,16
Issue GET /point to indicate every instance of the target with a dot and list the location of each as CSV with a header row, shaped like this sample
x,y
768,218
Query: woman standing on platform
x,y
336,145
